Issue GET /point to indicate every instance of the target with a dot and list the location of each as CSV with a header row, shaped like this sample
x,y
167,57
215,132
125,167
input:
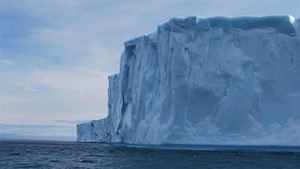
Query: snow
x,y
206,81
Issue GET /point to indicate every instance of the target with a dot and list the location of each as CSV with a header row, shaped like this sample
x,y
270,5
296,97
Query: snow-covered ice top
x,y
280,24
206,81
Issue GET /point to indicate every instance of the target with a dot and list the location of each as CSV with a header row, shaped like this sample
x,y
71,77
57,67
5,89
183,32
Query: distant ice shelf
x,y
196,80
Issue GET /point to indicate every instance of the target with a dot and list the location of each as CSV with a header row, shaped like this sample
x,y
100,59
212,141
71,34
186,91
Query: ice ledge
x,y
286,24
281,24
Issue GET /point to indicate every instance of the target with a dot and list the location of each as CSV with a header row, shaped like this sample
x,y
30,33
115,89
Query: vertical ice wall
x,y
206,81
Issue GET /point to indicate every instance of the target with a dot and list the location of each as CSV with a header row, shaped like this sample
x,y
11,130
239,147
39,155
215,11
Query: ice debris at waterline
x,y
206,81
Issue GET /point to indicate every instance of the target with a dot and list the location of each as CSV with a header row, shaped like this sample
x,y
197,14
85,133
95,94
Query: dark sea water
x,y
43,154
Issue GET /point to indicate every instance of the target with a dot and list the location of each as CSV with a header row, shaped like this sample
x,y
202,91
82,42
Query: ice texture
x,y
201,80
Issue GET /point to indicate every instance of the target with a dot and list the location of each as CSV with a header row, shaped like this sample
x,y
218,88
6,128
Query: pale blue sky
x,y
55,55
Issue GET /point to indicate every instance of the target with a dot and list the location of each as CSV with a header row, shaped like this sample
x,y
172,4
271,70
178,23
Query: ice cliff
x,y
206,81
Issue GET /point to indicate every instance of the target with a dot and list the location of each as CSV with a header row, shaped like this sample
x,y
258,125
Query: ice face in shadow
x,y
206,81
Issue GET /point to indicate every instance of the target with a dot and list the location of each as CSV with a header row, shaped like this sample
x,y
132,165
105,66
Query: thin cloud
x,y
18,136
73,121
32,126
6,62
52,132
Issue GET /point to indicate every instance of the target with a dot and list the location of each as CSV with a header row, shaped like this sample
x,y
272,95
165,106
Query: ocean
x,y
51,154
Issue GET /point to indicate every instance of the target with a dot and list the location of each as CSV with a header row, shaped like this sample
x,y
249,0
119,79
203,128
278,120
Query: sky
x,y
55,56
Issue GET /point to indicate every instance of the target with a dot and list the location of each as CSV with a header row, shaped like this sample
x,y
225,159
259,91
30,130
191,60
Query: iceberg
x,y
195,80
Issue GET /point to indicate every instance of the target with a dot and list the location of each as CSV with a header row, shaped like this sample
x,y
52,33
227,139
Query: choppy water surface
x,y
33,154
